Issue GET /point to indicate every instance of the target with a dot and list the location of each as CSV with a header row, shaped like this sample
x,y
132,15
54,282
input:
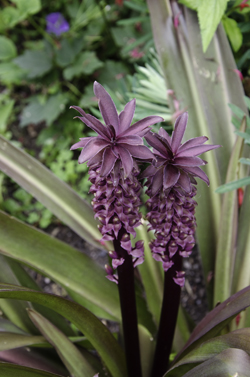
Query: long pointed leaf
x,y
56,195
59,261
225,251
236,339
231,362
14,310
217,319
9,341
11,370
242,260
31,358
72,358
103,341
25,280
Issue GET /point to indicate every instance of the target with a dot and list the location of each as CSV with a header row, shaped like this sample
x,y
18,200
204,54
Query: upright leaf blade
x,y
152,275
225,252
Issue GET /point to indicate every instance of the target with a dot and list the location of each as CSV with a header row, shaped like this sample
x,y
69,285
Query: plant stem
x,y
169,311
128,309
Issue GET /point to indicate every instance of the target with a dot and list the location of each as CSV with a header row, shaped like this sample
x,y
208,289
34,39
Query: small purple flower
x,y
171,189
112,158
56,24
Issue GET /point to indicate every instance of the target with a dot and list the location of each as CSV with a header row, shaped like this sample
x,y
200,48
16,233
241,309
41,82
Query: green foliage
x,y
233,31
85,64
209,15
45,109
7,48
35,63
11,15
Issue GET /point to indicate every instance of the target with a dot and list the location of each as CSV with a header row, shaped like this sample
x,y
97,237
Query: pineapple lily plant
x,y
49,335
119,162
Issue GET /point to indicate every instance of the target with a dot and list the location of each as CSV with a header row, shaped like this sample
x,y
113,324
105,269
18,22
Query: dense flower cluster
x,y
113,171
171,189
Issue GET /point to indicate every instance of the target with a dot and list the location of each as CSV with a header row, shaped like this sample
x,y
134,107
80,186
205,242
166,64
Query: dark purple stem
x,y
169,312
128,309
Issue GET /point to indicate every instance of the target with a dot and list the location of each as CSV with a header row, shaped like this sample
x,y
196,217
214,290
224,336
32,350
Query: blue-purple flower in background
x,y
56,24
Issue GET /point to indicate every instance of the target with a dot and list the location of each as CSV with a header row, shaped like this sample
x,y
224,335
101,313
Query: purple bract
x,y
56,24
171,180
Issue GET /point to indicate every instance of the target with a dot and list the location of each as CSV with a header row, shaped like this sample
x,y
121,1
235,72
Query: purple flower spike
x,y
171,189
56,24
112,158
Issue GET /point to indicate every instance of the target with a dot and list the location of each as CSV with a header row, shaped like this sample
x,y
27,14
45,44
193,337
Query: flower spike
x,y
113,170
171,189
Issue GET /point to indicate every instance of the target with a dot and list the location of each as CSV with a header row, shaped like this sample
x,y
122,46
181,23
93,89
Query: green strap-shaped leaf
x,y
25,280
101,338
6,325
236,339
231,362
216,320
147,346
10,341
56,195
151,273
61,262
72,358
225,251
12,370
14,310
241,278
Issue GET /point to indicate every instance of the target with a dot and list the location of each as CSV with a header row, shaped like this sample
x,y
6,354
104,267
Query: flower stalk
x,y
128,309
112,158
169,312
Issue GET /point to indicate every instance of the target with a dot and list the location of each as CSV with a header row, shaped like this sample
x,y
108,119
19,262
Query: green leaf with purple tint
x,y
98,334
237,339
12,370
230,362
216,320
71,357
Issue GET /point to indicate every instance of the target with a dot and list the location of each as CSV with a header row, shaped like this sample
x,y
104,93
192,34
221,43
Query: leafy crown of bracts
x,y
171,180
113,170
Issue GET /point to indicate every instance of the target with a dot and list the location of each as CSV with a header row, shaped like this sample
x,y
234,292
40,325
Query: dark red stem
x,y
169,312
128,310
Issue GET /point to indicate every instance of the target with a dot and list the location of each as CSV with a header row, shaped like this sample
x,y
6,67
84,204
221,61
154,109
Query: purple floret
x,y
56,24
